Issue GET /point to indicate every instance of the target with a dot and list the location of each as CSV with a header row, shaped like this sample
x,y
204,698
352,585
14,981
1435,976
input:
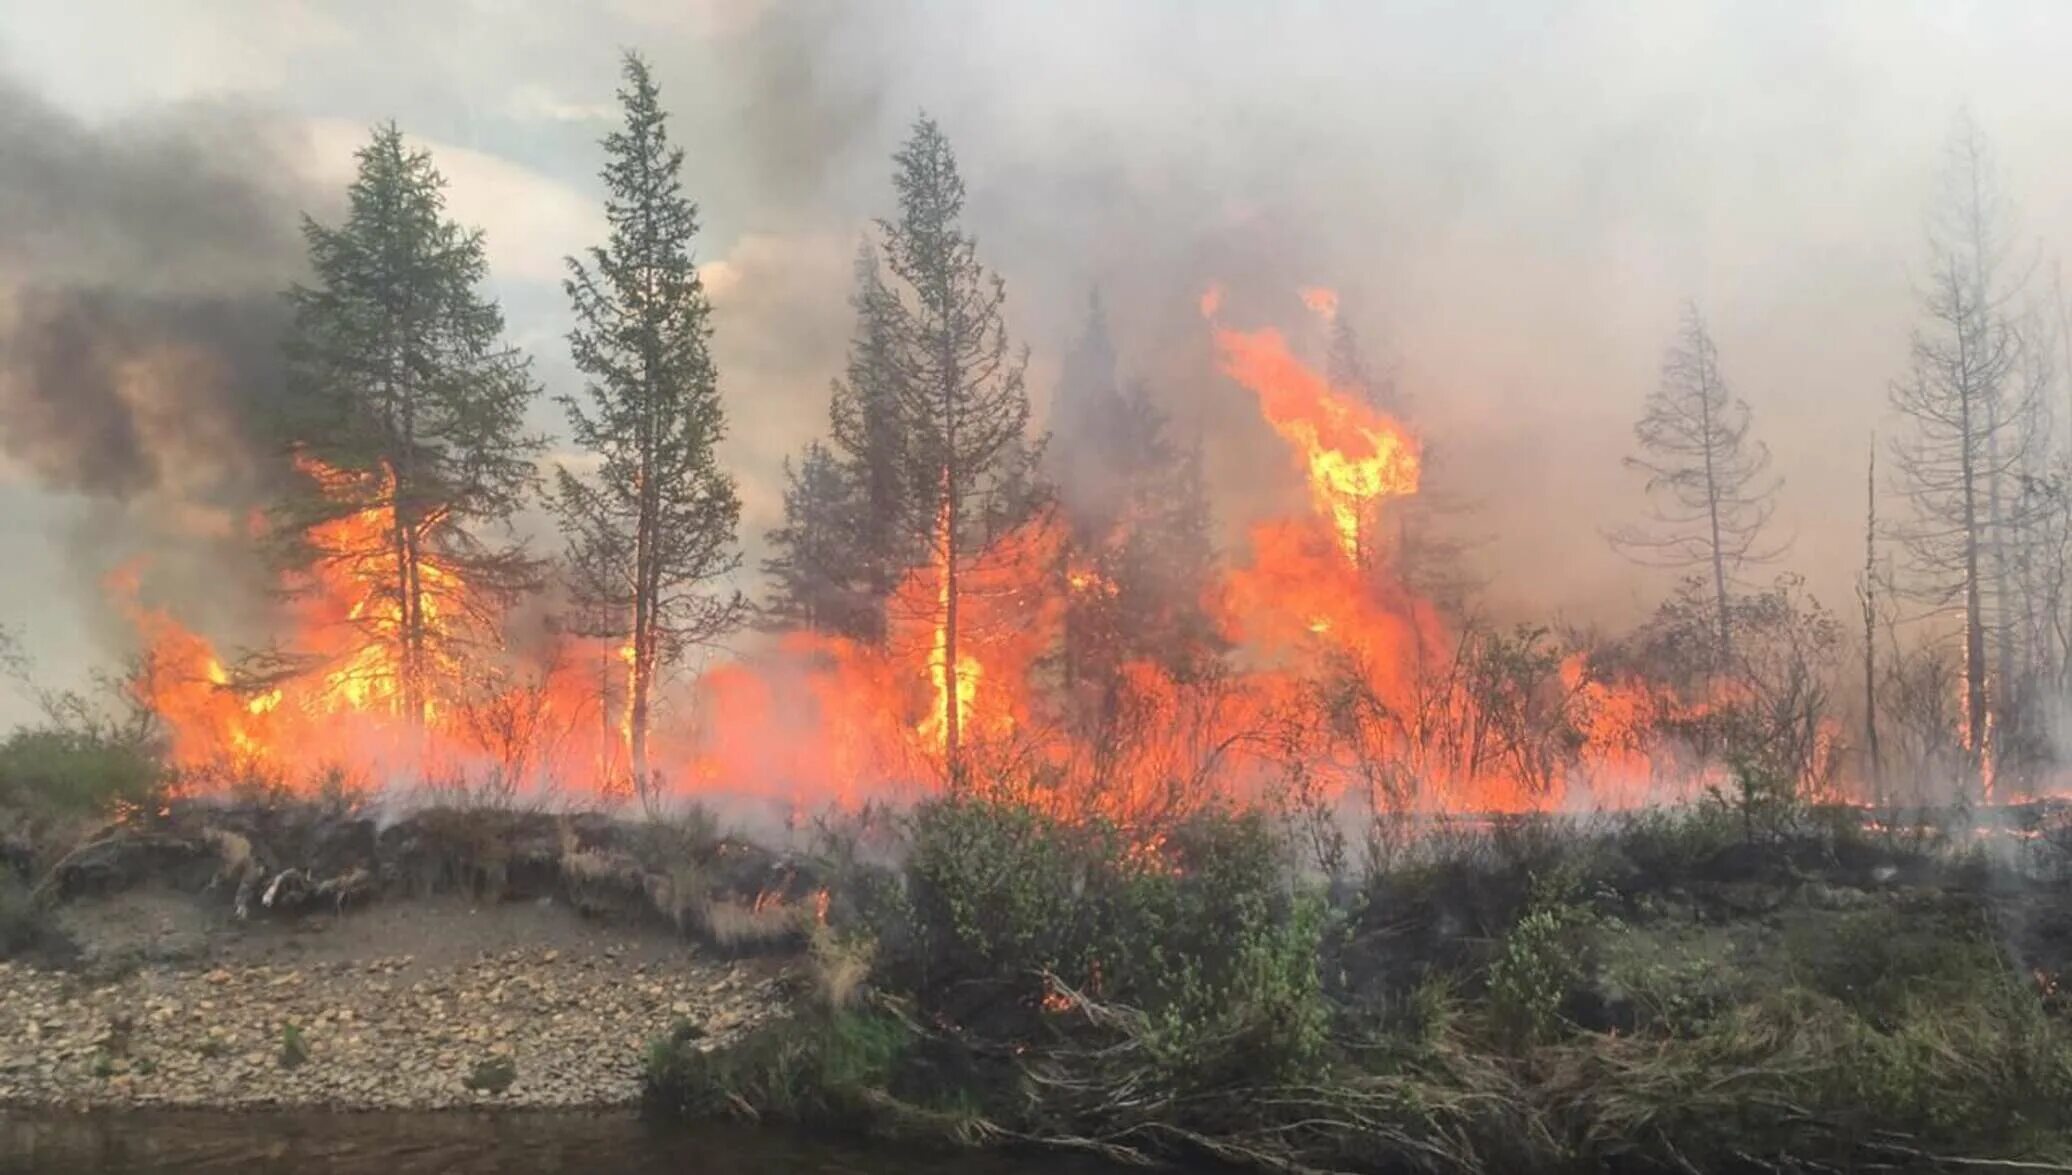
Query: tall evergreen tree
x,y
960,388
402,390
870,430
813,566
651,530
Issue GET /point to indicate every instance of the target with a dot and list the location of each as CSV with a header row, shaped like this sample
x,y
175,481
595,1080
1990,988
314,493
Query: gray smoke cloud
x,y
139,315
140,267
1514,202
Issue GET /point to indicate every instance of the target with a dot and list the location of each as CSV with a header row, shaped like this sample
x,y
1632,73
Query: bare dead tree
x,y
1966,412
1867,599
1712,490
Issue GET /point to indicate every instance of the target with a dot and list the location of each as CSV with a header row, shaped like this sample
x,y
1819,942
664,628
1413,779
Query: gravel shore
x,y
533,1025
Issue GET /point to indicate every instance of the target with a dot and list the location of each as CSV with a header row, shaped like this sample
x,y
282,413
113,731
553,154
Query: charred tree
x,y
1961,402
1867,600
960,388
1712,495
406,410
651,526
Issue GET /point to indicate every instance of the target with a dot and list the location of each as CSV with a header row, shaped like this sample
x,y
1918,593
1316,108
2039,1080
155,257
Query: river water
x,y
182,1142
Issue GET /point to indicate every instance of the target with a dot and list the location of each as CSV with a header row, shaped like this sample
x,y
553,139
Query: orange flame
x,y
1341,673
1354,455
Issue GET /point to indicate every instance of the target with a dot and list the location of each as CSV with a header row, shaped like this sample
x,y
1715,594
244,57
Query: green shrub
x,y
493,1075
1881,962
294,1050
825,1065
74,771
1534,971
1200,930
25,924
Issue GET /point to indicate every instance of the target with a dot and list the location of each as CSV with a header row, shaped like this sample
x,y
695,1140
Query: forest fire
x,y
1343,668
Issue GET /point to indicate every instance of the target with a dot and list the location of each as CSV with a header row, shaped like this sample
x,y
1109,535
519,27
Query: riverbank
x,y
1708,989
428,1004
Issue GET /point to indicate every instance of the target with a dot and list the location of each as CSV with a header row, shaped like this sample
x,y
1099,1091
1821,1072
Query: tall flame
x,y
1353,455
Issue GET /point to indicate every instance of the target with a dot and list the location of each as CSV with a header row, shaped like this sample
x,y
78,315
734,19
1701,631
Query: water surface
x,y
184,1142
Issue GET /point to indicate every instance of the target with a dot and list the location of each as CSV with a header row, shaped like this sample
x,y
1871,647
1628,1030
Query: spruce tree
x,y
813,568
408,408
870,430
651,528
960,391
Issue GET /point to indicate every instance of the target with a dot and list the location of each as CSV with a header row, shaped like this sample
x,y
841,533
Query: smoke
x,y
140,269
1514,209
139,320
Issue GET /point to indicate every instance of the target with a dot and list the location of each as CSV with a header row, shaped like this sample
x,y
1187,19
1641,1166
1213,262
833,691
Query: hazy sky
x,y
1515,200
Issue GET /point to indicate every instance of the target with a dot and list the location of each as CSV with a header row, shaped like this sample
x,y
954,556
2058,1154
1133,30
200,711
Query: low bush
x,y
1663,993
74,771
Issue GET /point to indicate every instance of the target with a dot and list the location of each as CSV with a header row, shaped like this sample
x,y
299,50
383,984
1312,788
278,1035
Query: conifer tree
x,y
960,391
815,584
651,525
408,408
870,431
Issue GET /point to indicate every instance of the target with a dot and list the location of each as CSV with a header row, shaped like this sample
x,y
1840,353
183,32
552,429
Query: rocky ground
x,y
410,1005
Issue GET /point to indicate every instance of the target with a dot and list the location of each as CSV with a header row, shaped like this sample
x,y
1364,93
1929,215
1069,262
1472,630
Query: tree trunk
x,y
1974,622
952,719
1876,765
1706,385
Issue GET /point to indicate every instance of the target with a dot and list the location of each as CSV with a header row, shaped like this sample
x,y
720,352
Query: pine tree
x,y
1713,494
960,388
870,431
408,408
813,568
651,530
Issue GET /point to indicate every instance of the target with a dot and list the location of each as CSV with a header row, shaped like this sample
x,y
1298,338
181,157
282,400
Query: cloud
x,y
532,101
530,221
